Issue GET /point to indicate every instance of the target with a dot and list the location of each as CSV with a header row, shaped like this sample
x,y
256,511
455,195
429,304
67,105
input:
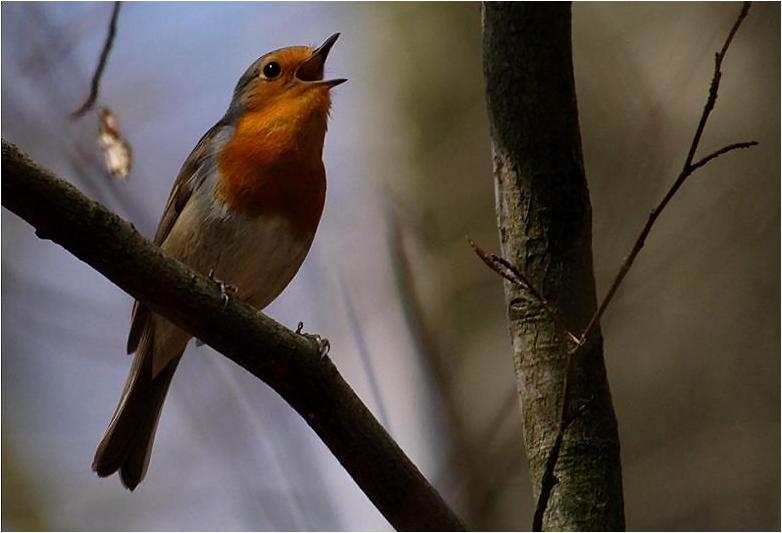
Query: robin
x,y
244,208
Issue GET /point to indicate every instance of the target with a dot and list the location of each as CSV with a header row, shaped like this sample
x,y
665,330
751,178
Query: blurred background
x,y
416,322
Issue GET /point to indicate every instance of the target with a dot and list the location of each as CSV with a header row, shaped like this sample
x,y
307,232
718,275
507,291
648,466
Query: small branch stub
x,y
514,275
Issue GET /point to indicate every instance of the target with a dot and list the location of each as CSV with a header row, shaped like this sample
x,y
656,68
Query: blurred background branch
x,y
104,56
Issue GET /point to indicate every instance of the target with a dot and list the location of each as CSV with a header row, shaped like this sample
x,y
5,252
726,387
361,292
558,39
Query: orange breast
x,y
274,169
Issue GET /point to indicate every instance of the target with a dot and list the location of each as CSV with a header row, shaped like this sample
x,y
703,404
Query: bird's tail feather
x,y
127,444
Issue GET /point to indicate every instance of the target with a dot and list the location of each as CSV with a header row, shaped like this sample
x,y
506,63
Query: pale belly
x,y
257,255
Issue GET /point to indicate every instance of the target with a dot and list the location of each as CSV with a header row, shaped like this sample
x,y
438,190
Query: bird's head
x,y
287,85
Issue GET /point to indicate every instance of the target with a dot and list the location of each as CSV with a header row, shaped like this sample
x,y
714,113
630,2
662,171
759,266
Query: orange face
x,y
287,83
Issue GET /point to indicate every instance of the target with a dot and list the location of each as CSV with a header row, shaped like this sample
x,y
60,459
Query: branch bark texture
x,y
287,362
544,218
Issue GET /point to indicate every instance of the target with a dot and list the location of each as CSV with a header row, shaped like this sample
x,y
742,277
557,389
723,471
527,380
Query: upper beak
x,y
312,69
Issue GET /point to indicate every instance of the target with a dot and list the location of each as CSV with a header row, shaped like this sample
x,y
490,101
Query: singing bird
x,y
244,209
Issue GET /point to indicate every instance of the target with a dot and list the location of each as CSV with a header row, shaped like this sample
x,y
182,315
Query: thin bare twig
x,y
715,83
104,55
687,170
724,150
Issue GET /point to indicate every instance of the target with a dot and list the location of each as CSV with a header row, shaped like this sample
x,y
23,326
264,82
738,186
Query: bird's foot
x,y
226,289
322,343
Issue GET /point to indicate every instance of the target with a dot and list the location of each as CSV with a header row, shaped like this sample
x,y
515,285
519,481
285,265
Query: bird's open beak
x,y
312,69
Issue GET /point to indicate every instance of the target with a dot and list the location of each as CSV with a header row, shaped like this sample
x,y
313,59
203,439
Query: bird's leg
x,y
226,289
322,343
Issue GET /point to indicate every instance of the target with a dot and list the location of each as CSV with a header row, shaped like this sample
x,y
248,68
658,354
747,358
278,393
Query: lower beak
x,y
312,69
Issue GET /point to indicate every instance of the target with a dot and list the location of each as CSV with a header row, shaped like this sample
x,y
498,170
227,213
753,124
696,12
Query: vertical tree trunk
x,y
544,219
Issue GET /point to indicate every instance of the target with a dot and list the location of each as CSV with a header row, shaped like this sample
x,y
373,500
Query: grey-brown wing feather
x,y
190,177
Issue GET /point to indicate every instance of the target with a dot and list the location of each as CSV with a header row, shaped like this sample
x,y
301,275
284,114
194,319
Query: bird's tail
x,y
127,444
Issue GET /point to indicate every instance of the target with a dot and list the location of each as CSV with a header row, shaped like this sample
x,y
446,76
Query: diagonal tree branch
x,y
287,362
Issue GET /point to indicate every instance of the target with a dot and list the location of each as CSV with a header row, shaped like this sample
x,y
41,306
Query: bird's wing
x,y
191,176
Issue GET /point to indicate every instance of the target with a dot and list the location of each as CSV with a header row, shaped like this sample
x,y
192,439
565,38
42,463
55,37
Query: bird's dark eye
x,y
271,70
